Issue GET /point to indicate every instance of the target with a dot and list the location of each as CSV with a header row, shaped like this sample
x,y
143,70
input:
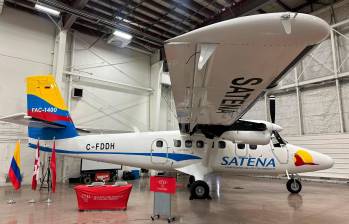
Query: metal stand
x,y
11,201
32,201
162,207
47,178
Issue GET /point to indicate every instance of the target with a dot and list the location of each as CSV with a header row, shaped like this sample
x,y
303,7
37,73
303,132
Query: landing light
x,y
47,9
123,35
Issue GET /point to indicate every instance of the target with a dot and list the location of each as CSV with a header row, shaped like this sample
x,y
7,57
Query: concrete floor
x,y
241,200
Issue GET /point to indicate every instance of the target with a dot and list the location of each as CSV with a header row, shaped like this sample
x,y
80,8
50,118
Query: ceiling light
x,y
47,10
123,35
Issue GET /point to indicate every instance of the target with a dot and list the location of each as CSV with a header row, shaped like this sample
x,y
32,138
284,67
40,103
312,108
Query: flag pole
x,y
36,162
11,200
49,200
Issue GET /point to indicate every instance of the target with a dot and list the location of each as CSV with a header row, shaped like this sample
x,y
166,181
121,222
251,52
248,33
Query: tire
x,y
294,186
87,180
199,190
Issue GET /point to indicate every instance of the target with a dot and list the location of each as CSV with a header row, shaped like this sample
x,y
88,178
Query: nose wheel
x,y
294,186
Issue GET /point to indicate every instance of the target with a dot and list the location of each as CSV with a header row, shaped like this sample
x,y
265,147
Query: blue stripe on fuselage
x,y
173,156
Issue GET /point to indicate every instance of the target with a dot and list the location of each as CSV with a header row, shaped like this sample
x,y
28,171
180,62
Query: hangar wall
x,y
29,46
33,37
312,102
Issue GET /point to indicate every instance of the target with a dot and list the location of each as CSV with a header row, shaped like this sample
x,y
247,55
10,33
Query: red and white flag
x,y
53,167
36,173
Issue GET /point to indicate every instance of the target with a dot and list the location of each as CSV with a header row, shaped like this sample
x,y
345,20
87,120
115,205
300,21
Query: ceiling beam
x,y
70,19
127,11
136,24
193,9
283,5
239,9
172,14
83,26
110,23
261,11
108,32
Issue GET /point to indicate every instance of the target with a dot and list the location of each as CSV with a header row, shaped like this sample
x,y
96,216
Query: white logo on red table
x,y
85,197
162,182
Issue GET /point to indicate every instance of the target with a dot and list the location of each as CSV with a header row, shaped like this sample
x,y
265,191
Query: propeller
x,y
272,108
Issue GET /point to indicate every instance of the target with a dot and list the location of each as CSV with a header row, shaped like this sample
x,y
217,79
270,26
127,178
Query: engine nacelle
x,y
248,137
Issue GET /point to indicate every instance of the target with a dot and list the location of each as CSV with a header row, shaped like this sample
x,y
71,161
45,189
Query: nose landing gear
x,y
293,184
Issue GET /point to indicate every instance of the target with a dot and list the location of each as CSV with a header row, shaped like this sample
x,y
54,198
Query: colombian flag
x,y
15,169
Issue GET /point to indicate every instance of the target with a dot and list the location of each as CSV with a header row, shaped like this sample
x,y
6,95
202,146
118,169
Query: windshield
x,y
277,140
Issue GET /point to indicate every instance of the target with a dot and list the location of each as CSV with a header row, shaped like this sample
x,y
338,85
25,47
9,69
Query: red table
x,y
105,197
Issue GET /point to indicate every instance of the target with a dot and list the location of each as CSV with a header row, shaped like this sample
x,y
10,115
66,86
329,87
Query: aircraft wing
x,y
217,72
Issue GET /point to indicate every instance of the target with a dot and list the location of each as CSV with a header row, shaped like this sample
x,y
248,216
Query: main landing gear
x,y
198,189
294,184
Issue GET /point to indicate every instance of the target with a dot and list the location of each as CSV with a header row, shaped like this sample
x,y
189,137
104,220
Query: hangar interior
x,y
127,89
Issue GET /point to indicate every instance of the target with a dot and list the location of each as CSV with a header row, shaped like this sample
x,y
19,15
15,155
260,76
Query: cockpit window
x,y
277,140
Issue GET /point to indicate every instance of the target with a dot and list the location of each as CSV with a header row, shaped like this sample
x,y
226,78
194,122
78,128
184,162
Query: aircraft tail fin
x,y
45,105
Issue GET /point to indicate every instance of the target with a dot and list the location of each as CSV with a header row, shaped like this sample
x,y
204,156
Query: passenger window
x,y
241,146
199,144
221,145
253,147
159,143
177,143
188,143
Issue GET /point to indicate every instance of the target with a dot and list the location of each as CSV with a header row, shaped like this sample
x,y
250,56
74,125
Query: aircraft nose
x,y
326,161
312,160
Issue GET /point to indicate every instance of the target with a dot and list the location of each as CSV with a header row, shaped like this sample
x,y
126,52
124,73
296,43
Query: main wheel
x,y
294,186
199,190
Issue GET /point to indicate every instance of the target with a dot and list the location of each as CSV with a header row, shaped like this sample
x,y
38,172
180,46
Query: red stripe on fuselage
x,y
48,116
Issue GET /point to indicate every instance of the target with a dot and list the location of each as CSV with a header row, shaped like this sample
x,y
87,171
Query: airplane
x,y
217,73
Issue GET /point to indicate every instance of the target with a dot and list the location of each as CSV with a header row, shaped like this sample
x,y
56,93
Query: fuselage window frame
x,y
159,143
200,144
253,147
188,143
241,146
222,144
177,143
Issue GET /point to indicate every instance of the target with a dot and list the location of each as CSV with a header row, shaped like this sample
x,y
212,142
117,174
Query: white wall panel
x,y
105,108
257,112
27,43
286,113
318,63
320,110
345,97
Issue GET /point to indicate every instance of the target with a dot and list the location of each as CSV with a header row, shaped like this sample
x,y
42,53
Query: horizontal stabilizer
x,y
24,119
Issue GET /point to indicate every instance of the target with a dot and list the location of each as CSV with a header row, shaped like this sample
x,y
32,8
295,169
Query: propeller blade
x,y
272,108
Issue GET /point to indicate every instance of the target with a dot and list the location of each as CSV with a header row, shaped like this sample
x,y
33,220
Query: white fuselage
x,y
161,151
